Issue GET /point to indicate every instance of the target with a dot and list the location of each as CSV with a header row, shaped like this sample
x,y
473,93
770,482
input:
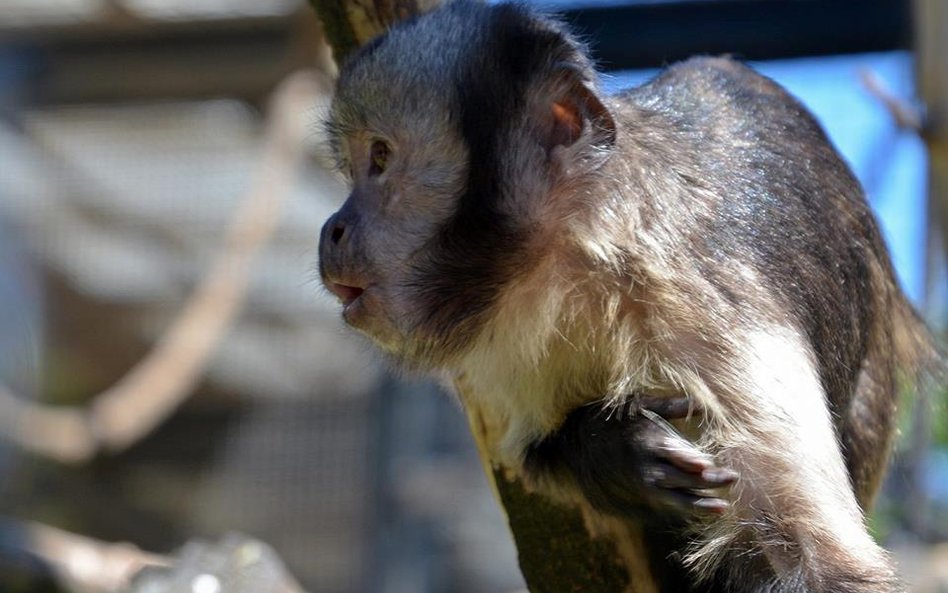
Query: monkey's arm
x,y
629,459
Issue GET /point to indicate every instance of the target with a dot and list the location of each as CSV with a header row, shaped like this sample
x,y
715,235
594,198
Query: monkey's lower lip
x,y
346,294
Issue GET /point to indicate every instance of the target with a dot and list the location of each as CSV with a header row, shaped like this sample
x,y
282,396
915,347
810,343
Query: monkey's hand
x,y
629,459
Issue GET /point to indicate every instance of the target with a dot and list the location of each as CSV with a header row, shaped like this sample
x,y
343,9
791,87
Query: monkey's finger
x,y
688,501
668,476
669,408
683,455
717,506
720,476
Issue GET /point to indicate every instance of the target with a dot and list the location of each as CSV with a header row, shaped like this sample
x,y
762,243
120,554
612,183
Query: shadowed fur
x,y
696,236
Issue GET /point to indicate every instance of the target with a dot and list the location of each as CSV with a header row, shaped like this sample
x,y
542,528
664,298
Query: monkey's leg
x,y
794,507
867,427
629,459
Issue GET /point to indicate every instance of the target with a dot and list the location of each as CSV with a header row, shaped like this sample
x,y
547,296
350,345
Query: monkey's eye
x,y
379,158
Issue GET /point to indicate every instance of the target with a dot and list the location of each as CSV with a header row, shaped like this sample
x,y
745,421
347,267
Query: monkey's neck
x,y
560,338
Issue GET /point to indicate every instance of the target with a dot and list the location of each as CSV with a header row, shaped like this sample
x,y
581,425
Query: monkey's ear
x,y
574,110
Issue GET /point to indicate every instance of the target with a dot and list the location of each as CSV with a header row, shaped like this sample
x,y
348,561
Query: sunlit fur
x,y
680,254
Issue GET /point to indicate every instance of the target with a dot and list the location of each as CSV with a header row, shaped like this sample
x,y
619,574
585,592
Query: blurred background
x,y
170,367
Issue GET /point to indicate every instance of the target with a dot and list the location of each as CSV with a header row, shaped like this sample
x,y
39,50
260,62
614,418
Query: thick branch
x,y
560,548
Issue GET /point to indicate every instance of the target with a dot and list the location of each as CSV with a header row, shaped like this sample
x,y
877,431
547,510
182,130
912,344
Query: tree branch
x,y
78,563
350,23
129,410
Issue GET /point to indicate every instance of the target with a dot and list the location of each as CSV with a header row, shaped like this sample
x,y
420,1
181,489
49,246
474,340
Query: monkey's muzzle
x,y
337,266
346,294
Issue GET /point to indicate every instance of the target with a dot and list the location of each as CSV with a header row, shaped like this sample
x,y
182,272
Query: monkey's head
x,y
460,132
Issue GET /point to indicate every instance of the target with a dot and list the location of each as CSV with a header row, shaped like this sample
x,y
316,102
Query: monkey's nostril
x,y
337,232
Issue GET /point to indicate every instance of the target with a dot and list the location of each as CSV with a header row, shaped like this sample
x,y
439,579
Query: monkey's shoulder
x,y
749,136
724,94
714,76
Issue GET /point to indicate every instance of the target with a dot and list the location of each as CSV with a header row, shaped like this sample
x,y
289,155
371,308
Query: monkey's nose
x,y
333,233
338,231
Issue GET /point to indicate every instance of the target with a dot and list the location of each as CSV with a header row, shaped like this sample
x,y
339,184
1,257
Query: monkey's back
x,y
790,209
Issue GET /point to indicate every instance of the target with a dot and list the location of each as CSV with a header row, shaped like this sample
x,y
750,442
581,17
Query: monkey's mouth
x,y
346,294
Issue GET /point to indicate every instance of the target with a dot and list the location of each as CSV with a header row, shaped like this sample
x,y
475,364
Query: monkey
x,y
610,272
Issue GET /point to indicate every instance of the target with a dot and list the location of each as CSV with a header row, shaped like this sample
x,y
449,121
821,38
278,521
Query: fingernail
x,y
720,474
715,505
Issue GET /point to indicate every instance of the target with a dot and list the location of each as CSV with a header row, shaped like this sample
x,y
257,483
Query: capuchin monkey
x,y
598,268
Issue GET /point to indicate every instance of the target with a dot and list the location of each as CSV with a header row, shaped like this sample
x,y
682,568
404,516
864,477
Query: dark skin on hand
x,y
636,440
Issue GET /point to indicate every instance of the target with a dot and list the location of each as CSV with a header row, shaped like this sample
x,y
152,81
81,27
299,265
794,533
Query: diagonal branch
x,y
126,412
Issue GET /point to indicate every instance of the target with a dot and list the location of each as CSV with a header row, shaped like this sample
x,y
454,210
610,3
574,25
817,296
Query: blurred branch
x,y
930,123
350,23
126,412
77,563
235,564
931,47
906,116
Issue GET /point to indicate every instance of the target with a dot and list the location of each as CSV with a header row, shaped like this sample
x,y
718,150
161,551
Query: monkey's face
x,y
454,133
404,180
